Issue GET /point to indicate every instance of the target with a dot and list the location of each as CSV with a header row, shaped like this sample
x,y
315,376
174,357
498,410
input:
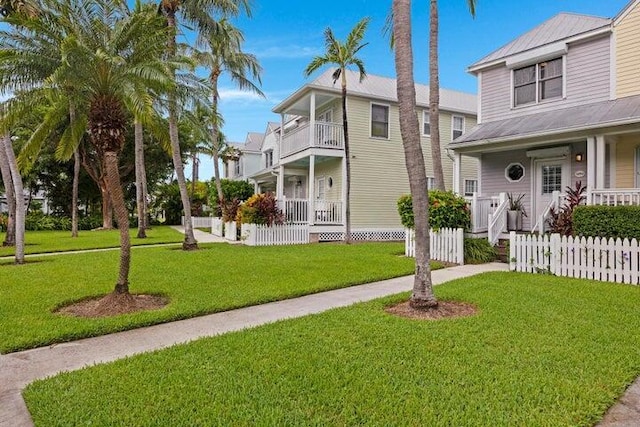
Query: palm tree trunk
x,y
107,212
215,143
19,195
74,193
347,159
139,164
117,198
422,295
434,97
189,239
10,237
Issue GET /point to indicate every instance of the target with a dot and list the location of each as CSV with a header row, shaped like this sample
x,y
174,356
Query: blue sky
x,y
286,34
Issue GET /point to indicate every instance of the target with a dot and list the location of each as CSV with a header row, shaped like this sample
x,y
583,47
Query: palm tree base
x,y
423,304
142,234
186,246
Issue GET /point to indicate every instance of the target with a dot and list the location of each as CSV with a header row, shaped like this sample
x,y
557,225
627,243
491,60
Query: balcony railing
x,y
615,197
302,211
326,135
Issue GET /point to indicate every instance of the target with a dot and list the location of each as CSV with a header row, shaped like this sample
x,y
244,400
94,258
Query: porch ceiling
x,y
302,105
304,162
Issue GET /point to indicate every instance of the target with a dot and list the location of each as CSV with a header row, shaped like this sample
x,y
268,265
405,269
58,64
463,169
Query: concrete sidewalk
x,y
201,236
21,368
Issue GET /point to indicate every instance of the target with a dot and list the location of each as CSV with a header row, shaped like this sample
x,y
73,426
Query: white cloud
x,y
230,95
285,52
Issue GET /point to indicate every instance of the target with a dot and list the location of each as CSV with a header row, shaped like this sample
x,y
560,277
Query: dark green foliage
x,y
446,210
167,200
261,209
478,251
561,220
607,221
38,221
231,190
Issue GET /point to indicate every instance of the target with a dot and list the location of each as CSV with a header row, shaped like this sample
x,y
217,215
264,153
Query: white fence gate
x,y
285,234
231,231
594,258
446,245
199,221
216,227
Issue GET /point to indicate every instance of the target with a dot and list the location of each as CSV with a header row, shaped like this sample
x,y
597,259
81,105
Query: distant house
x,y
560,104
303,157
242,160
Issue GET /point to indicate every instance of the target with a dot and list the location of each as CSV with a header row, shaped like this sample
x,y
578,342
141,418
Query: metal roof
x,y
254,141
560,27
383,88
591,116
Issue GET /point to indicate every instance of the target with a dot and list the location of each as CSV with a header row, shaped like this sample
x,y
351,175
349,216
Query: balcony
x,y
323,212
325,135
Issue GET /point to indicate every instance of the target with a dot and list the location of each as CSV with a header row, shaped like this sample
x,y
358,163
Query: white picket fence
x,y
285,234
231,231
199,221
594,258
445,245
217,227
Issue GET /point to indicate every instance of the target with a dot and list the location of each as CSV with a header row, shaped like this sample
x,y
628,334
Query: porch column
x,y
312,118
256,187
457,164
344,191
281,137
600,159
591,166
280,184
312,189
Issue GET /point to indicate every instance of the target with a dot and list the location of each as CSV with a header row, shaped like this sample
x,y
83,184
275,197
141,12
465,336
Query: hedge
x,y
607,221
446,210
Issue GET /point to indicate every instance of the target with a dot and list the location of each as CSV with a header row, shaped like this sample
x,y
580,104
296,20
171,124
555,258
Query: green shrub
x,y
261,209
607,221
231,190
561,219
446,210
478,251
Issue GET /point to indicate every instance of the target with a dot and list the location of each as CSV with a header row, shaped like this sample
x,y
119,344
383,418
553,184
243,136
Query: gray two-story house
x,y
557,105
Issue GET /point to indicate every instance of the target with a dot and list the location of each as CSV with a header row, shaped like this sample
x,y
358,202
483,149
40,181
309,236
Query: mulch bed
x,y
444,310
114,304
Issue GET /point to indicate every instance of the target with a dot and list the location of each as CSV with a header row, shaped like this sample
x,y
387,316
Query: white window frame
x,y
268,158
453,123
328,113
426,119
388,107
321,179
475,186
431,183
537,82
506,172
237,169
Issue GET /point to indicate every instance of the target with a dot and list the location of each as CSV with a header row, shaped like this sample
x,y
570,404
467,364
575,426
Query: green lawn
x,y
216,278
38,242
544,351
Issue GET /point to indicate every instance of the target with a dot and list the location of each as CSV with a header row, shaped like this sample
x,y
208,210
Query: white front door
x,y
551,175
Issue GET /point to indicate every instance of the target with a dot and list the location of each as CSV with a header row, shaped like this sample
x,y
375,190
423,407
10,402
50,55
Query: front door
x,y
551,175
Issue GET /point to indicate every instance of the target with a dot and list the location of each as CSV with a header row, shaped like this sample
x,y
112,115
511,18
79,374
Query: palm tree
x,y
18,191
8,7
201,14
434,90
422,295
343,55
5,170
224,55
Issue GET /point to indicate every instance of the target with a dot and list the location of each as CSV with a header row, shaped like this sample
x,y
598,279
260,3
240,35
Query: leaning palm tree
x,y
5,170
422,295
434,91
224,55
343,55
200,14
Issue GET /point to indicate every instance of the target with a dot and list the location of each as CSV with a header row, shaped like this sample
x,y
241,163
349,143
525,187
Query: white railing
x,y
199,221
285,234
326,135
615,197
231,231
587,258
446,245
553,205
296,211
498,220
217,227
481,207
327,212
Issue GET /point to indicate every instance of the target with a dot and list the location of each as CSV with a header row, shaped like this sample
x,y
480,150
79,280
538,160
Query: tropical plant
x,y
422,296
343,55
434,90
446,210
200,15
561,218
516,204
231,189
261,209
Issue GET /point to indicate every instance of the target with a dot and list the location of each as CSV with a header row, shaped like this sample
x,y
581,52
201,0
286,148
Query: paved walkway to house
x,y
202,236
21,368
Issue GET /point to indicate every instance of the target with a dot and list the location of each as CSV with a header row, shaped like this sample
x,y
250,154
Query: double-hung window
x,y
538,82
457,126
237,167
426,123
470,187
268,158
379,121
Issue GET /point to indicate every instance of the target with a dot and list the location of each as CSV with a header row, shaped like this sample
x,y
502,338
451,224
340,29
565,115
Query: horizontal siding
x,y
588,80
378,169
331,169
628,54
625,160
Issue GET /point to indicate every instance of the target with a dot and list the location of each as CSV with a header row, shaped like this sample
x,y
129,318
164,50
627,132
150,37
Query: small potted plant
x,y
516,212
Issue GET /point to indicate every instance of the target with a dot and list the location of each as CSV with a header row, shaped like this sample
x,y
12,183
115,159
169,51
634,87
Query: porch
x,y
312,212
324,136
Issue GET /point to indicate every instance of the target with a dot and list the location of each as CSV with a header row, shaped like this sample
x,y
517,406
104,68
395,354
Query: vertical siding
x,y
587,80
378,169
627,34
625,160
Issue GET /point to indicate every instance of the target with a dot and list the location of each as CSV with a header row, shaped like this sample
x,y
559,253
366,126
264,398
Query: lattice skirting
x,y
364,235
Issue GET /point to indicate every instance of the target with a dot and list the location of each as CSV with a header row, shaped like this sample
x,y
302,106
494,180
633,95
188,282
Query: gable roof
x,y
560,27
383,88
583,118
254,141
